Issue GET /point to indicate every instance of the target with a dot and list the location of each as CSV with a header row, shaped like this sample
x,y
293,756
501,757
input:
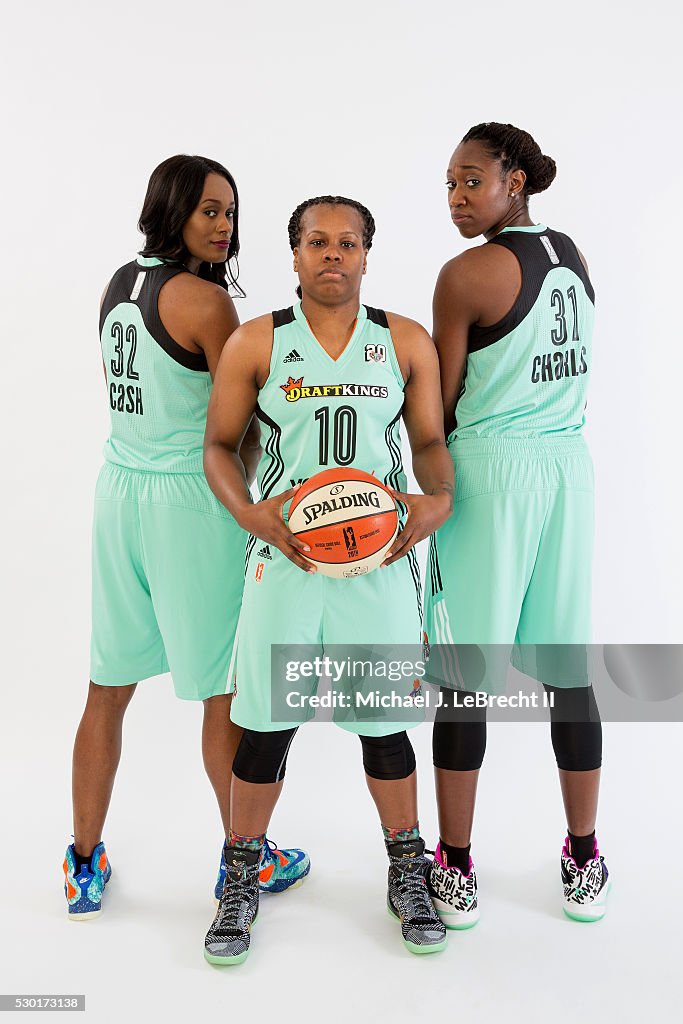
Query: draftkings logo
x,y
294,390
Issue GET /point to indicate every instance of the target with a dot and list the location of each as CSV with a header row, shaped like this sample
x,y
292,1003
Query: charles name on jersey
x,y
294,390
556,365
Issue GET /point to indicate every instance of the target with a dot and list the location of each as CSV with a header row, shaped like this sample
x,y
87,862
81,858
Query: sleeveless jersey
x,y
318,413
158,391
527,375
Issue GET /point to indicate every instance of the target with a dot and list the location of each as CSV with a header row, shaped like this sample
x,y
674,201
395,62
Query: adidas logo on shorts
x,y
293,357
264,553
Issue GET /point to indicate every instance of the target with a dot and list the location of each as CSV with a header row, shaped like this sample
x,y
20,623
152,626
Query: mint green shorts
x,y
513,564
167,579
284,605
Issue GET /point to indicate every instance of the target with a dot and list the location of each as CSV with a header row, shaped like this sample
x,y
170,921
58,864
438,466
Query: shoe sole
x,y
451,918
412,947
87,916
588,917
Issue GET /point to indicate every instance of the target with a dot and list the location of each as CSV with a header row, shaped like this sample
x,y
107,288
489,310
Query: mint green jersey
x,y
318,413
158,391
527,375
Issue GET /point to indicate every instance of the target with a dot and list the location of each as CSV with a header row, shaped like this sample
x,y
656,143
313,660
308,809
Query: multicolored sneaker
x,y
454,895
278,870
408,898
227,940
586,888
84,888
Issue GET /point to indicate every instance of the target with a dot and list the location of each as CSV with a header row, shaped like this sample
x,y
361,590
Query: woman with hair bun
x,y
168,559
513,322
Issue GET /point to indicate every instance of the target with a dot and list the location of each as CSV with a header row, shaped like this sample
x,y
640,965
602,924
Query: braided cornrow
x,y
515,149
294,226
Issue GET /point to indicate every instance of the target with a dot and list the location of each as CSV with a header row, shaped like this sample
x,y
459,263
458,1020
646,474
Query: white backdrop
x,y
368,100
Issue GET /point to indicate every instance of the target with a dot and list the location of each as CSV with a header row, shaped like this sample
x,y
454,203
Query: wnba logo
x,y
350,541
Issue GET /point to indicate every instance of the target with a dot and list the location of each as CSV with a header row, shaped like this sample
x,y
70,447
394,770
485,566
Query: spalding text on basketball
x,y
321,508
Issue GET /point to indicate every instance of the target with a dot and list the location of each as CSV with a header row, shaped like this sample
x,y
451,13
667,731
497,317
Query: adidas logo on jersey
x,y
293,357
264,553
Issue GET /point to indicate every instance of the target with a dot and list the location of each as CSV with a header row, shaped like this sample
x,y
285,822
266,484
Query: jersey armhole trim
x,y
147,303
377,316
282,317
482,337
190,360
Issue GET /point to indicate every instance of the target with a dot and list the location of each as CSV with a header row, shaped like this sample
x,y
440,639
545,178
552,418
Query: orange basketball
x,y
348,519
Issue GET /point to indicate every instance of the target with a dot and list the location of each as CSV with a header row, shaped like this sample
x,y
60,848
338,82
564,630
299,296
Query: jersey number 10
x,y
344,435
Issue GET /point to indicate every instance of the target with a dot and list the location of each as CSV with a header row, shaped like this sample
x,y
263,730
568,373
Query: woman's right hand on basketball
x,y
265,520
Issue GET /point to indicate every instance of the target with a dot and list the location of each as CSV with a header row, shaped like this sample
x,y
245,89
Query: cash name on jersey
x,y
126,398
294,390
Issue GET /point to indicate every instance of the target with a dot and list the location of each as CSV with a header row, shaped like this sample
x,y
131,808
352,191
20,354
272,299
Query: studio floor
x,y
329,950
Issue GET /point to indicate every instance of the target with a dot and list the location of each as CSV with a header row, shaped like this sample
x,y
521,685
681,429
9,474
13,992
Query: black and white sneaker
x,y
227,940
454,894
408,898
584,889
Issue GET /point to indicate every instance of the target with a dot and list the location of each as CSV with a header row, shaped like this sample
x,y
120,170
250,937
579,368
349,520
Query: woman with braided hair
x,y
513,321
373,368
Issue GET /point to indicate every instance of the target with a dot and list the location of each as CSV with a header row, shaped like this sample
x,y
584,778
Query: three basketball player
x,y
512,326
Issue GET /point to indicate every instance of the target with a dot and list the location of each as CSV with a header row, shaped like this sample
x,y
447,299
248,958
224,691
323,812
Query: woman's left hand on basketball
x,y
426,513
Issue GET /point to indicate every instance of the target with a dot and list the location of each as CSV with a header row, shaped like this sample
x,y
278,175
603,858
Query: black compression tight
x,y
459,743
262,756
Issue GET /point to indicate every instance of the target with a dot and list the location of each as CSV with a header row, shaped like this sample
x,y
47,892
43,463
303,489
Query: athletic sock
x,y
455,856
582,848
401,835
246,842
81,860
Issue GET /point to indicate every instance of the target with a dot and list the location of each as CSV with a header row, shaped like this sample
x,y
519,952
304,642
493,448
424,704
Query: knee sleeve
x,y
459,736
575,729
262,756
388,757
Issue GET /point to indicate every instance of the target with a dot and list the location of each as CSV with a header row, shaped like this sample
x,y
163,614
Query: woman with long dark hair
x,y
167,557
513,323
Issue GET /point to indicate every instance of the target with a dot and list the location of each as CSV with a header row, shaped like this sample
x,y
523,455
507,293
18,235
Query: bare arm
x,y
202,315
423,417
454,311
478,287
214,320
250,449
242,369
